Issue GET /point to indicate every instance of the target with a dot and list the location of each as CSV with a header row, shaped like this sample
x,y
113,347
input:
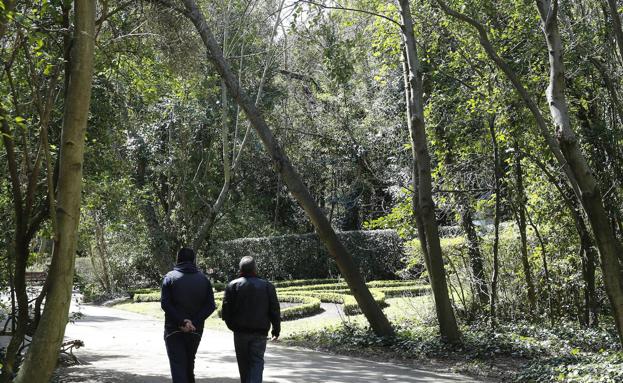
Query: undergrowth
x,y
560,353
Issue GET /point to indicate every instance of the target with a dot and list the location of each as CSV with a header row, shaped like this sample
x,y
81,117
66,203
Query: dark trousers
x,y
181,349
250,356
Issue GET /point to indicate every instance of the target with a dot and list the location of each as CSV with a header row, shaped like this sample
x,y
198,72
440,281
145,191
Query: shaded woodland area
x,y
488,134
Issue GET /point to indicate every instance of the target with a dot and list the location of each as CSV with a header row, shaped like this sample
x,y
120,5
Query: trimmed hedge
x,y
339,296
308,306
310,296
305,282
143,291
379,254
149,297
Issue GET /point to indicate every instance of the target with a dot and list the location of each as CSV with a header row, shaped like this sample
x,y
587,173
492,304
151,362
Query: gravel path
x,y
125,347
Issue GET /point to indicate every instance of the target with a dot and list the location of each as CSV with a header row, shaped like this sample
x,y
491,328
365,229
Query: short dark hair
x,y
247,265
185,254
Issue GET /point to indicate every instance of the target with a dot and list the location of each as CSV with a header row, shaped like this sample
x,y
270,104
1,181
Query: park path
x,y
126,347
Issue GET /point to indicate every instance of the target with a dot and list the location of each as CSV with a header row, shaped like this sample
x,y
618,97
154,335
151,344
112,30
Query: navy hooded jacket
x,y
186,294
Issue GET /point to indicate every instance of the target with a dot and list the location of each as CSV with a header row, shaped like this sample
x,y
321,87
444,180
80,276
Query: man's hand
x,y
188,326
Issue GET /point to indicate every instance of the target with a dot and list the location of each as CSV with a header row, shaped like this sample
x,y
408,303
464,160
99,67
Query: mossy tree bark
x,y
590,193
422,184
43,352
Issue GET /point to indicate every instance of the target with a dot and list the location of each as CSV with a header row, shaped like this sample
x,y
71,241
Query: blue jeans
x,y
250,356
181,350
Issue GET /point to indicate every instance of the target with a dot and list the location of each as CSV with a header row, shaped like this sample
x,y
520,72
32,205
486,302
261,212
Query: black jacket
x,y
250,306
186,294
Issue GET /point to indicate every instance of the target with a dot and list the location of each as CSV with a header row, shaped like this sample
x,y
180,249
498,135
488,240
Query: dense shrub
x,y
379,255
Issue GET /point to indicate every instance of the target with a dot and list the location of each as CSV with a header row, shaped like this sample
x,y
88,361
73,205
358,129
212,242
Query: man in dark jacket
x,y
250,307
187,300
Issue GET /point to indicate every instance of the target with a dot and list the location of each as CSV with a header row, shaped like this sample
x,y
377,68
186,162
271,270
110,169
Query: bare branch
x,y
342,8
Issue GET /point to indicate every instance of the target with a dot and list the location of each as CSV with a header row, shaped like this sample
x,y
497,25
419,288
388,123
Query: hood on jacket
x,y
186,267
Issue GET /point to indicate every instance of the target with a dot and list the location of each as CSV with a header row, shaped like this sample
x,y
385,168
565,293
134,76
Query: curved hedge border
x,y
309,306
304,282
311,292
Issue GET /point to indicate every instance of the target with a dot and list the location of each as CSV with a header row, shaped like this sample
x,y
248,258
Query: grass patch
x,y
151,309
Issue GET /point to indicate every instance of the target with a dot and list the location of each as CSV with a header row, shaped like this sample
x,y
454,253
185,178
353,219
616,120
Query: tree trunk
x,y
423,184
473,248
566,148
616,25
102,251
548,284
43,352
588,256
162,244
291,178
522,225
23,317
592,198
497,172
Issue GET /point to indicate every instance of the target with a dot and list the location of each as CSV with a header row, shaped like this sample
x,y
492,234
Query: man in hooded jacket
x,y
187,300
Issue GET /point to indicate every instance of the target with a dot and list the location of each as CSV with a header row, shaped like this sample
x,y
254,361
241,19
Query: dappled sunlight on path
x,y
126,347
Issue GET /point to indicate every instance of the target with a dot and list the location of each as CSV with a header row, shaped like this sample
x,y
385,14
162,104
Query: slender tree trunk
x,y
616,25
291,178
423,184
23,318
565,147
521,223
162,244
497,172
19,247
103,255
478,282
415,201
43,352
592,198
548,281
473,248
230,163
589,256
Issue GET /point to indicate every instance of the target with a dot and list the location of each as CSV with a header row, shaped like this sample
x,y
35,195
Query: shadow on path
x,y
129,348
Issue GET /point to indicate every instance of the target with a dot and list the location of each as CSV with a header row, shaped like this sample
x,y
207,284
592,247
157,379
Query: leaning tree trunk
x,y
43,353
281,162
589,256
565,147
426,212
592,198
